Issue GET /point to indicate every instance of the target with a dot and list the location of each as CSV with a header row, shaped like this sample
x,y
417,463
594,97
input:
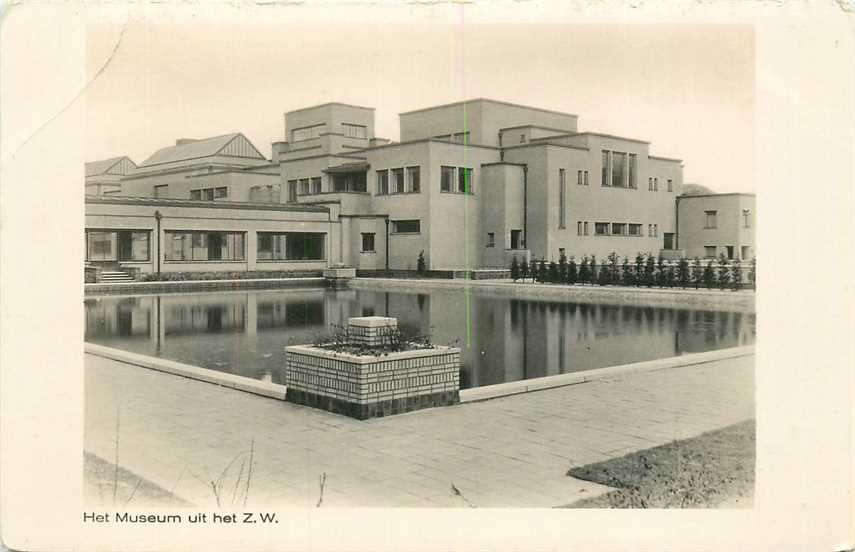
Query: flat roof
x,y
425,140
500,102
591,133
690,196
541,127
202,204
544,143
665,158
326,104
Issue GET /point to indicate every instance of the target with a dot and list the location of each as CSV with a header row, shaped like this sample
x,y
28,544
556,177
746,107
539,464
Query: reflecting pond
x,y
502,338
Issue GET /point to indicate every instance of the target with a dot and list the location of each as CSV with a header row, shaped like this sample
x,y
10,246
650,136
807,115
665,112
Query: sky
x,y
687,89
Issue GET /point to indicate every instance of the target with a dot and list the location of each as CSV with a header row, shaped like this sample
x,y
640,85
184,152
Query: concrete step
x,y
115,276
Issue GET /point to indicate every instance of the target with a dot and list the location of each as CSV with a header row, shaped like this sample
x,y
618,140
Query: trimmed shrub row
x,y
645,270
245,275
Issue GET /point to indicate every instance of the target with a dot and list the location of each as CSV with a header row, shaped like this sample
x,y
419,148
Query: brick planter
x,y
365,387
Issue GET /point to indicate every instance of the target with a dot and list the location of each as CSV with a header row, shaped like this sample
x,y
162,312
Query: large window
x,y
709,251
517,239
382,182
204,246
120,245
406,226
464,180
307,133
607,162
710,219
161,190
618,169
316,185
619,229
562,191
635,230
398,181
447,179
414,179
350,182
304,186
354,131
290,246
601,228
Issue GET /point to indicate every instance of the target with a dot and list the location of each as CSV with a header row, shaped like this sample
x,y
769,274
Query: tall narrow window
x,y
655,230
631,176
579,228
562,185
746,218
655,183
414,179
586,228
368,242
618,169
578,177
316,185
586,178
447,179
650,184
292,191
516,239
304,186
491,239
382,182
607,158
670,185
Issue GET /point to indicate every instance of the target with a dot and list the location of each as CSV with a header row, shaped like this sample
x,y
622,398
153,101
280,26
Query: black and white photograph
x,y
428,268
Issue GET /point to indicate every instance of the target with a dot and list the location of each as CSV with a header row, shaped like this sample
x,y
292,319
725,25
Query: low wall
x,y
199,285
610,295
365,387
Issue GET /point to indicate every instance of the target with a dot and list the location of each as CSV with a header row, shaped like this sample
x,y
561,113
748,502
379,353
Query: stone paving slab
x,y
505,452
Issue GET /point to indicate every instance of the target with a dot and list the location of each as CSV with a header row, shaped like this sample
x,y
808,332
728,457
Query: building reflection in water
x,y
502,339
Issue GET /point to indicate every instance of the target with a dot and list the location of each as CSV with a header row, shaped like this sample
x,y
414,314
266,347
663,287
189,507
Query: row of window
x,y
399,181
711,252
619,169
456,180
348,129
653,184
209,194
191,246
711,219
617,229
456,138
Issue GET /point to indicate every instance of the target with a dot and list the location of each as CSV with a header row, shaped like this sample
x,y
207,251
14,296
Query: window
x,y
655,230
122,245
746,218
307,133
522,138
635,230
447,179
368,242
304,186
561,196
290,246
354,131
414,179
670,185
607,161
729,249
655,183
619,229
161,190
517,239
586,178
586,228
356,182
398,181
460,138
464,180
601,228
562,253
709,251
382,182
204,246
101,246
292,191
406,226
221,192
650,184
650,230
618,169
578,178
195,194
631,174
745,251
579,228
491,239
316,185
710,219
208,194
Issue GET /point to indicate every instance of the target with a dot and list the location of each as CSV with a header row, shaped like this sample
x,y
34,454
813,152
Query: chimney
x,y
182,141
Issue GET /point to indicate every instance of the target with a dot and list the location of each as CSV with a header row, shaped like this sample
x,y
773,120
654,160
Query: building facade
x,y
470,185
714,224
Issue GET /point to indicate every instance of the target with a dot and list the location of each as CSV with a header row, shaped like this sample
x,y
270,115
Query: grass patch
x,y
713,469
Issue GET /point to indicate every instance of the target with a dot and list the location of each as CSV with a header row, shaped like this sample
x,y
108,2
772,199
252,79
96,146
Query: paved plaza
x,y
512,451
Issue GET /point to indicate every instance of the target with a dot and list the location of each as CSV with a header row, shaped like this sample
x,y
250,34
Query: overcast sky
x,y
687,89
